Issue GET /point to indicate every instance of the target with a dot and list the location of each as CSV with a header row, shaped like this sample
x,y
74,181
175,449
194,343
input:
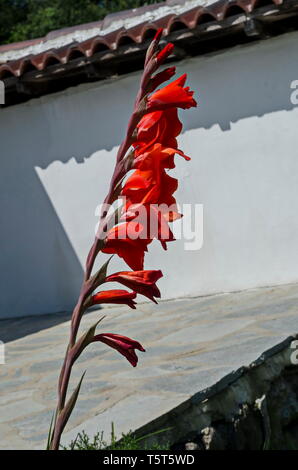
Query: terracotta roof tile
x,y
137,34
117,45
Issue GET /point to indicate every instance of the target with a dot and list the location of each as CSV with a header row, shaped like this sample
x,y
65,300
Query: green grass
x,y
126,442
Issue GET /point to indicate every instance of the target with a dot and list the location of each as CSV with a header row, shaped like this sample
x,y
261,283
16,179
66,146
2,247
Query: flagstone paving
x,y
191,344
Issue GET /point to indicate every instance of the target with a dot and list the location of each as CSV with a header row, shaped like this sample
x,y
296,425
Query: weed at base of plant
x,y
127,442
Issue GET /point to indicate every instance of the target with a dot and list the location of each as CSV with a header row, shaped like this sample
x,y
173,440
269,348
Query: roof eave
x,y
260,24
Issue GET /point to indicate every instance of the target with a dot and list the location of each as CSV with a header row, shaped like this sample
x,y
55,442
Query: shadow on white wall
x,y
58,153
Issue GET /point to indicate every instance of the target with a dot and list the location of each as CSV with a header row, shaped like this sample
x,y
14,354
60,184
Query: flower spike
x,y
148,206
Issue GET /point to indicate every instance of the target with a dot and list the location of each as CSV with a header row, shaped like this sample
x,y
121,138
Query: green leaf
x,y
101,274
51,429
73,444
67,410
113,435
84,340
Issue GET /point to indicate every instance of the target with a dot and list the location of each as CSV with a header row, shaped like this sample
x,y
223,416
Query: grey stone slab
x,y
45,366
191,344
280,325
33,424
189,384
228,355
19,408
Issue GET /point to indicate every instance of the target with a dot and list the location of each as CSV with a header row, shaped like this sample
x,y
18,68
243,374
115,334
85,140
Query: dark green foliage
x,y
28,19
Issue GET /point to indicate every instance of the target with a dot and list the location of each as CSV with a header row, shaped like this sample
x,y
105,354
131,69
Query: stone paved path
x,y
191,344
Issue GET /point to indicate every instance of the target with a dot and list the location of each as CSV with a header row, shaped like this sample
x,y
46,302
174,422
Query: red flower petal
x,y
115,296
124,345
142,282
172,95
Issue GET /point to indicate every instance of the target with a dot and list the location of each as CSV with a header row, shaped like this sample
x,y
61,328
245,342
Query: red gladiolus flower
x,y
158,157
172,95
162,77
160,127
158,34
142,187
142,282
115,296
155,218
122,344
150,187
164,53
129,241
